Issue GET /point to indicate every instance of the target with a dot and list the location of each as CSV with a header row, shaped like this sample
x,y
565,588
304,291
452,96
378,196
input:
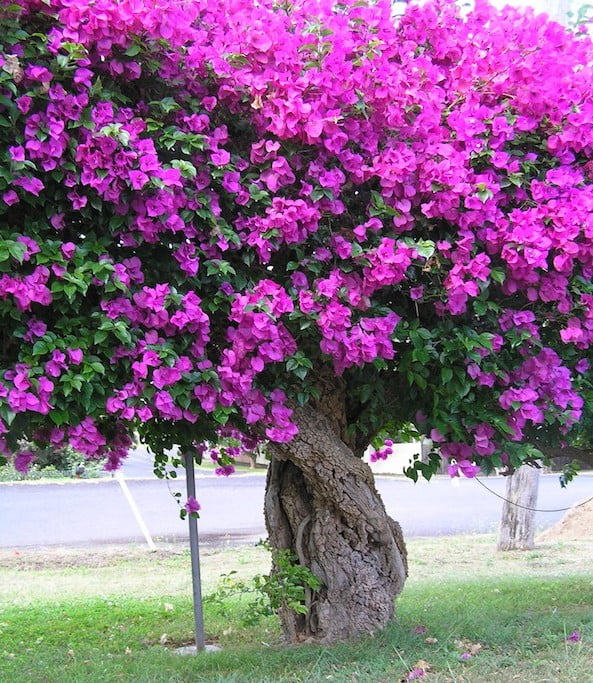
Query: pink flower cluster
x,y
193,193
258,339
382,453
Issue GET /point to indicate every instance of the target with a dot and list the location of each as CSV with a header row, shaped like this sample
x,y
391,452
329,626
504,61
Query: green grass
x,y
135,608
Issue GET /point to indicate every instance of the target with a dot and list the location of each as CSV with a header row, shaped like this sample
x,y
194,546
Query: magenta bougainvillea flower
x,y
191,505
23,461
207,209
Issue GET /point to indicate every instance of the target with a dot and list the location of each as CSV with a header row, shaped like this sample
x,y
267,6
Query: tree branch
x,y
584,455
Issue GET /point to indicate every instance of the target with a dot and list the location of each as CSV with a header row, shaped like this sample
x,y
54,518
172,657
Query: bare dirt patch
x,y
91,557
576,524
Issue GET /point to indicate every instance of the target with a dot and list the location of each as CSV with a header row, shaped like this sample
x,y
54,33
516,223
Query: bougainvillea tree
x,y
302,221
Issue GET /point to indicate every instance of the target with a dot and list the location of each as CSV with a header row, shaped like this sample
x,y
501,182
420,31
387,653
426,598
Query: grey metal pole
x,y
195,557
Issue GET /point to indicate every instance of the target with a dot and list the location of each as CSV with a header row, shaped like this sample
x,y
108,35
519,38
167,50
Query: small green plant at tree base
x,y
286,587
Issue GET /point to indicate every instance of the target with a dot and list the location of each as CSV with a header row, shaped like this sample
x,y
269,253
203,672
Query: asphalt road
x,y
95,511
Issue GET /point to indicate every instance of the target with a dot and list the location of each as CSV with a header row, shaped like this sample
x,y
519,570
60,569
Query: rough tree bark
x,y
322,504
517,525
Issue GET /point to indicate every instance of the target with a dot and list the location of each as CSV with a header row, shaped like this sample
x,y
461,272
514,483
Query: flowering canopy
x,y
204,203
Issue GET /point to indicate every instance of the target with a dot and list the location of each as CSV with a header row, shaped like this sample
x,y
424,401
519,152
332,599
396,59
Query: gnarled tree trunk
x,y
322,504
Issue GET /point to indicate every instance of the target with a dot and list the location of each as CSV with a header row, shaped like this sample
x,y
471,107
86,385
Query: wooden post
x,y
517,525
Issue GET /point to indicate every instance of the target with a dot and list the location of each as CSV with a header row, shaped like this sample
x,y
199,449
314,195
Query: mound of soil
x,y
577,523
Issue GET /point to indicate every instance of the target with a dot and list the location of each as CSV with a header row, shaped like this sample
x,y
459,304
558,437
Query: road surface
x,y
89,512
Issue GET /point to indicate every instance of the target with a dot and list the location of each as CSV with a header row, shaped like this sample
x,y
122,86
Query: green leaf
x,y
12,248
40,348
122,333
301,372
133,50
221,415
7,415
302,398
100,336
59,417
70,292
366,392
425,248
98,367
411,473
420,381
497,275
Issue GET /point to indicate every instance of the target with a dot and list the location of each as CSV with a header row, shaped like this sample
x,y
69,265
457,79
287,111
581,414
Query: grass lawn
x,y
467,614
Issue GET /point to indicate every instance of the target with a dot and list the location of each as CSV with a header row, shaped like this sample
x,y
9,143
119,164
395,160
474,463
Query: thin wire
x,y
528,508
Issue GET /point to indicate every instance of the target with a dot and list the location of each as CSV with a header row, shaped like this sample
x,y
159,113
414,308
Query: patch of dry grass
x,y
447,557
132,571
